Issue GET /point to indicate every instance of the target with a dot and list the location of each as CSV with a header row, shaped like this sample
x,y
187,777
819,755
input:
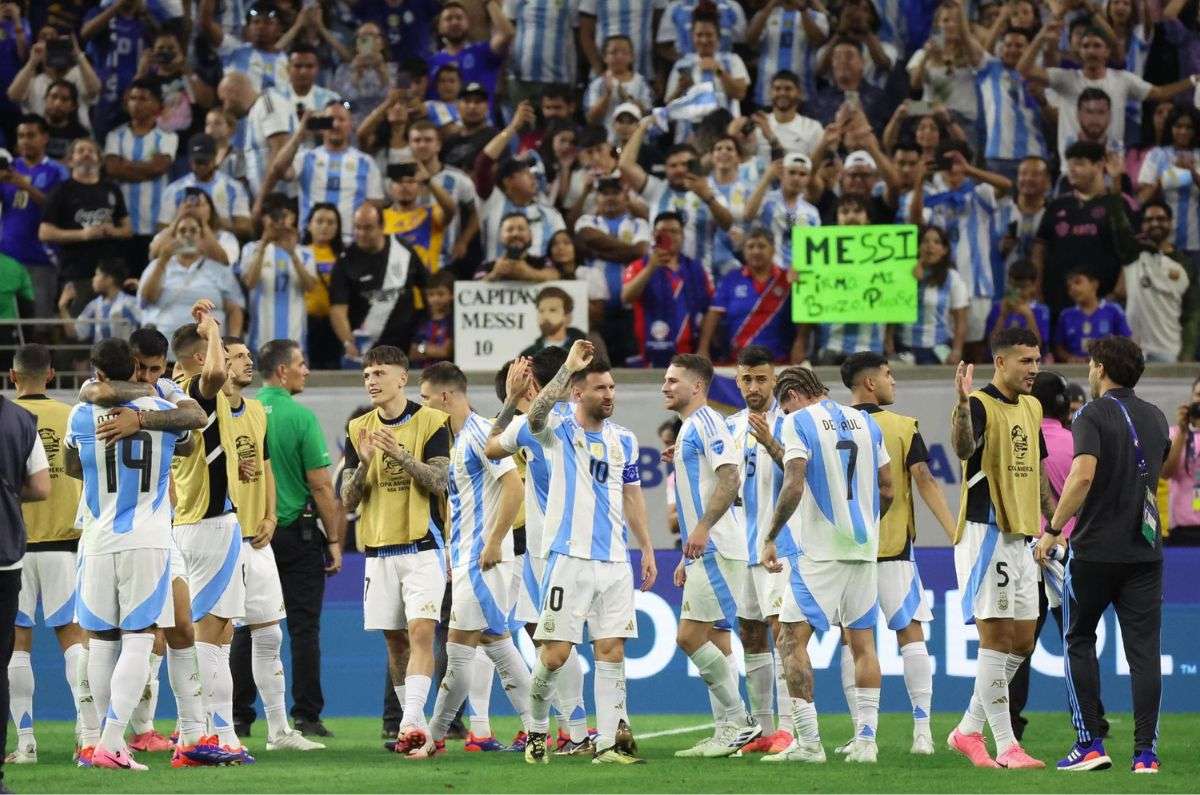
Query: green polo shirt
x,y
297,445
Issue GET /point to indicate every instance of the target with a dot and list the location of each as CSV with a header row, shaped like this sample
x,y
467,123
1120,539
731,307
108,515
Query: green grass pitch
x,y
356,762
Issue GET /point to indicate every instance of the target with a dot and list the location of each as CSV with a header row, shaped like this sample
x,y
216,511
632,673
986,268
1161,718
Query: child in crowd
x,y
1020,307
434,339
112,313
1091,318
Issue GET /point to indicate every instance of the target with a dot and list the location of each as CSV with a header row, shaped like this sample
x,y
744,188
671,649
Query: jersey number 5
x,y
141,461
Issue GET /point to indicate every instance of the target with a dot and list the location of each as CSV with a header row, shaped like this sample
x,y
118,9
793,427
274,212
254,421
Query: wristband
x,y
1051,531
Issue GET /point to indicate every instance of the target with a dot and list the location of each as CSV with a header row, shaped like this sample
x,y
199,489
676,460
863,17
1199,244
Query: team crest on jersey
x,y
50,441
548,623
1020,443
718,446
1002,602
597,449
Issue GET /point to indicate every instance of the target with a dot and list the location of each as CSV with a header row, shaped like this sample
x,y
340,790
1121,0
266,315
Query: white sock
x,y
142,719
480,703
453,690
735,681
714,670
868,713
610,698
974,718
784,699
85,705
991,691
102,660
128,682
804,720
514,676
265,645
183,672
542,685
71,670
20,696
1011,665
416,691
760,686
918,680
569,698
218,687
848,688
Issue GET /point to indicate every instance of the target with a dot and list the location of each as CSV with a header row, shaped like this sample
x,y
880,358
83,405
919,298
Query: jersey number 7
x,y
851,459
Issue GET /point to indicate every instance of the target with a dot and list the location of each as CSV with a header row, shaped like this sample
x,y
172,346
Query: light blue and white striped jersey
x,y
126,486
637,88
585,511
544,221
104,317
893,27
170,391
317,98
699,226
1137,51
442,113
228,196
277,309
347,179
143,199
461,188
1007,214
847,338
838,516
1011,114
784,44
690,63
762,480
265,69
271,114
544,48
632,18
675,27
779,216
934,302
517,437
966,215
474,492
701,448
1179,191
232,15
604,276
735,194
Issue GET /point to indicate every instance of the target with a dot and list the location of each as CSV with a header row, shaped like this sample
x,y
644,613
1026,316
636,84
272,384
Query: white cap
x,y
628,107
860,157
797,159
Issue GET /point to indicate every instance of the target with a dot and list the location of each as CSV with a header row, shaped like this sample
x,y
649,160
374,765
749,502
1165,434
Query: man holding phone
x,y
422,225
229,198
516,263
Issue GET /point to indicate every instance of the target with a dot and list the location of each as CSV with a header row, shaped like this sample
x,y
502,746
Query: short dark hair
x,y
32,358
559,293
788,75
233,339
1161,205
599,364
68,85
954,146
669,215
112,268
1096,32
676,149
114,358
515,214
149,85
148,342
616,37
546,363
1051,390
185,340
858,363
35,120
694,363
445,374
303,48
443,278
275,354
385,354
1093,94
1121,357
1023,270
1082,269
802,380
754,356
1012,337
559,91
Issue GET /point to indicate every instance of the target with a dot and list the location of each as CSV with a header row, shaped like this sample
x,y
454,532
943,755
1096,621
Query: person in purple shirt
x,y
24,184
478,61
1091,318
1020,307
407,25
115,33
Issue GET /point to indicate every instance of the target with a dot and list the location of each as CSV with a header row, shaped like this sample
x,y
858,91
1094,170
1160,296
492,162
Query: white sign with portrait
x,y
495,321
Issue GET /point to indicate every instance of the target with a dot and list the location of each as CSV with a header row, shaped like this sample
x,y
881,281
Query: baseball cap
x,y
860,157
475,89
797,159
630,108
511,166
202,147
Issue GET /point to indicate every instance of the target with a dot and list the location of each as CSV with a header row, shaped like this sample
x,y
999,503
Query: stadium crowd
x,y
324,171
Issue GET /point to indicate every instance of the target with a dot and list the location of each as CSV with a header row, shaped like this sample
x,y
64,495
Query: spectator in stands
x,y
778,210
228,196
561,254
442,110
433,340
786,128
363,312
463,225
859,23
215,242
54,57
112,313
365,80
422,225
1020,307
334,171
85,217
554,308
786,34
138,155
1017,219
938,335
516,261
407,25
478,62
258,56
516,192
1011,122
181,275
752,306
276,272
16,301
301,89
116,35
262,125
847,82
942,70
543,48
602,20
24,185
1181,470
311,28
220,124
705,64
1091,318
617,84
185,94
674,39
1173,168
14,52
670,292
1160,291
461,149
323,240
62,117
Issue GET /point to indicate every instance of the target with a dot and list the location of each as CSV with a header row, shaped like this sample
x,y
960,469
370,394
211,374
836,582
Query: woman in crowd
x,y
1173,168
323,240
942,300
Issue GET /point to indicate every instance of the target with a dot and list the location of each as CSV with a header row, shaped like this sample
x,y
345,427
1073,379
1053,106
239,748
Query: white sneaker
x,y
798,752
864,751
292,740
26,755
730,737
845,747
922,745
696,750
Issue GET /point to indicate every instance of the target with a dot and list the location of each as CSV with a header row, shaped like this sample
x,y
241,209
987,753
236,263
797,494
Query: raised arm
x,y
634,175
962,429
579,357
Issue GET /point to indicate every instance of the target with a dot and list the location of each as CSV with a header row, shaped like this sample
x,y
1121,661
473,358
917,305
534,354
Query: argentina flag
x,y
699,101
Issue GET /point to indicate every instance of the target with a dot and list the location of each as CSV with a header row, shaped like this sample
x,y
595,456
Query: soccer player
x,y
588,578
755,431
48,568
124,573
253,492
835,504
484,497
901,595
996,431
397,460
713,566
515,439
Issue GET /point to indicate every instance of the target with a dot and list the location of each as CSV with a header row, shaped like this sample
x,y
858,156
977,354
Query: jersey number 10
x,y
141,461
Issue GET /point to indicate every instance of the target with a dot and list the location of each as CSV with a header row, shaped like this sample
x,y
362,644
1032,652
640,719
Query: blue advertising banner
x,y
661,679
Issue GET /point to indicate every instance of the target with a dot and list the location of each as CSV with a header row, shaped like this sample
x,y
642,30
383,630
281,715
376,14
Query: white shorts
x,y
128,590
997,575
400,588
50,576
178,567
264,594
901,594
576,591
977,315
827,593
762,594
527,576
481,600
212,553
711,590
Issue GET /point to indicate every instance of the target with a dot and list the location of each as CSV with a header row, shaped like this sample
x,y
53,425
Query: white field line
x,y
680,730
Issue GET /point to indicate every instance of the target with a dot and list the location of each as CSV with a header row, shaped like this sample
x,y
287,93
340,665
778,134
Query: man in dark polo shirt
x,y
1121,442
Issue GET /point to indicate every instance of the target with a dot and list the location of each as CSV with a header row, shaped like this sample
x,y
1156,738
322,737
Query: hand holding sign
x,y
854,274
